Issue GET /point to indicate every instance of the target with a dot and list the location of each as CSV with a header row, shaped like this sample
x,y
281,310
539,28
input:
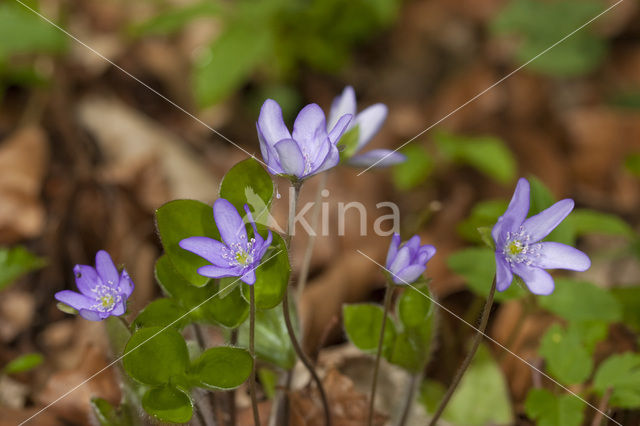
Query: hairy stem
x,y
467,361
252,351
231,395
602,407
387,303
408,403
287,317
306,261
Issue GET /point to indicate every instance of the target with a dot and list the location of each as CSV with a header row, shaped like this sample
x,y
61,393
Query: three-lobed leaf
x,y
222,367
168,404
548,409
566,357
621,373
363,322
163,312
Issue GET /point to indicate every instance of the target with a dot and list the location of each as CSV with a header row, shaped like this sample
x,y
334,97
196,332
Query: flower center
x,y
106,298
517,248
239,254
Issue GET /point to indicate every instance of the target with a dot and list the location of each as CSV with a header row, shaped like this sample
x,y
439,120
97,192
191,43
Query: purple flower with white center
x,y
306,151
237,255
518,250
103,292
368,122
407,262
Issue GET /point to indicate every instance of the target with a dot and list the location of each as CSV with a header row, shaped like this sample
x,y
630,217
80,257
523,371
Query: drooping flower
x,y
518,250
407,262
237,255
368,122
103,292
306,151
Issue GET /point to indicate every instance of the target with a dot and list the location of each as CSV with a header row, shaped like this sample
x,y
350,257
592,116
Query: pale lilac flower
x,y
407,262
103,292
518,250
368,122
237,255
310,149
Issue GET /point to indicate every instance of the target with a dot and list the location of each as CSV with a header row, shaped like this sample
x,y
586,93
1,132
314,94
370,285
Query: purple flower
x,y
518,250
236,255
309,150
408,262
103,292
368,122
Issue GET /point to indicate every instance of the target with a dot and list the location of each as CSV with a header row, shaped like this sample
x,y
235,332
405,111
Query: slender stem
x,y
374,383
602,407
203,421
231,395
252,351
467,361
287,317
197,330
408,403
306,261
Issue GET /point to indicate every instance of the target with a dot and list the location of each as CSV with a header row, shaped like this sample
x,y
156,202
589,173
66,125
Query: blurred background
x,y
89,150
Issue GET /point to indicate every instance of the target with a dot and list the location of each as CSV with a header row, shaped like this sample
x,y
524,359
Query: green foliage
x,y
348,143
222,368
248,183
541,24
489,155
180,219
481,398
118,333
23,363
622,374
268,380
217,307
107,415
581,301
629,299
272,341
168,403
15,262
567,358
172,20
483,214
155,357
362,322
407,340
632,163
162,313
272,276
478,266
548,409
413,172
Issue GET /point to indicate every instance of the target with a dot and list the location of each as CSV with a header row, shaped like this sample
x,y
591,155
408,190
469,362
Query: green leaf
x,y
622,374
477,266
590,333
272,341
163,313
585,221
22,31
548,409
107,415
481,398
222,368
168,404
230,60
156,357
413,172
629,300
581,301
227,309
118,333
539,25
15,262
632,161
431,392
268,380
362,322
174,19
180,219
23,363
272,276
248,183
487,154
413,308
348,143
567,359
483,215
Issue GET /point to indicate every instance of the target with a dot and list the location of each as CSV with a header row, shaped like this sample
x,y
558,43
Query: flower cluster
x,y
103,292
